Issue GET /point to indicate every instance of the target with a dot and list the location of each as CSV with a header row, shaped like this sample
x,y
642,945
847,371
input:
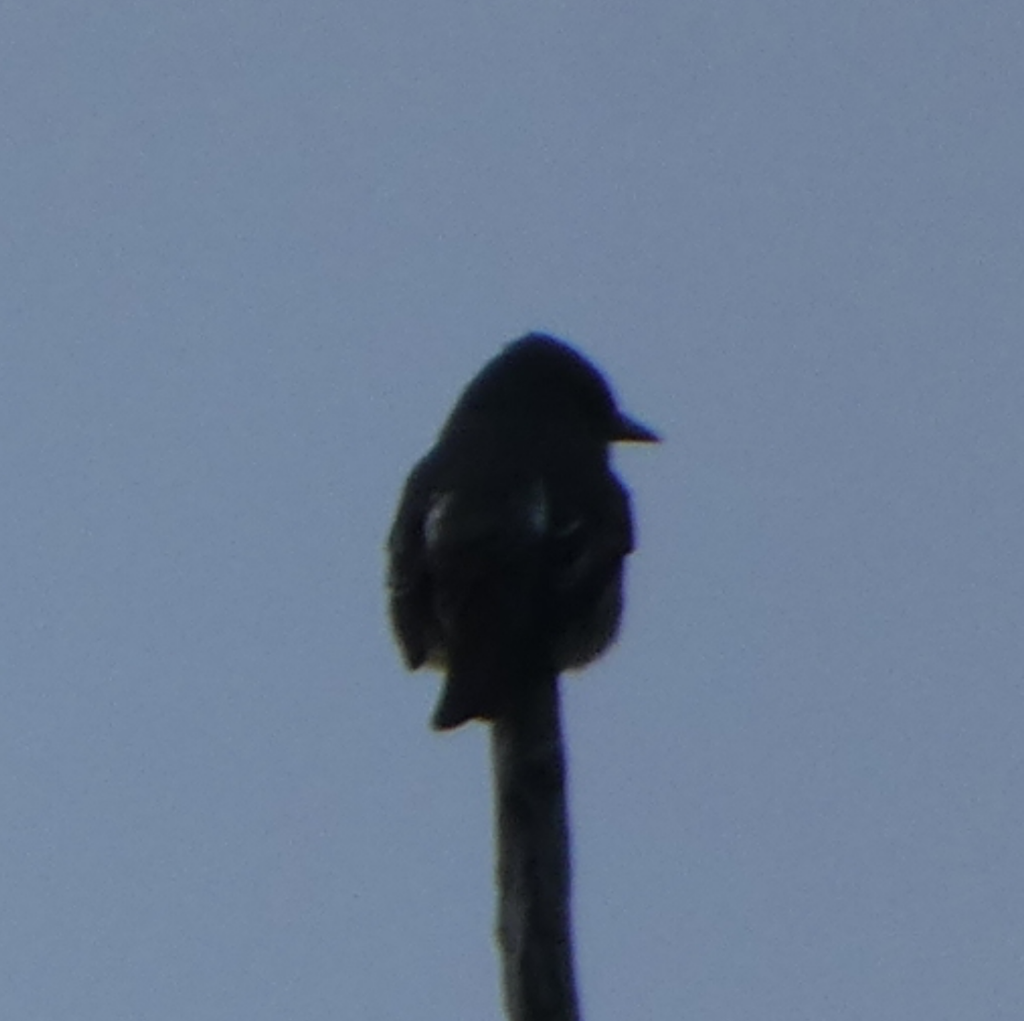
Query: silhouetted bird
x,y
505,557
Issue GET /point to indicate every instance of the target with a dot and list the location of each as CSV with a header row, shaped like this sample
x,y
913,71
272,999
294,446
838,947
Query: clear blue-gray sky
x,y
250,253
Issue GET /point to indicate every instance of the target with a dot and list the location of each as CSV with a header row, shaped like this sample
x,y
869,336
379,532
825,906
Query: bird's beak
x,y
629,430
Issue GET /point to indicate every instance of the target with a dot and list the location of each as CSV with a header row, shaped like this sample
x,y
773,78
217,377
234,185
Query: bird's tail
x,y
462,699
493,639
486,691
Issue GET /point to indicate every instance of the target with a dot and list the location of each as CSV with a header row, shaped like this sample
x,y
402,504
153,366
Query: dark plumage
x,y
506,553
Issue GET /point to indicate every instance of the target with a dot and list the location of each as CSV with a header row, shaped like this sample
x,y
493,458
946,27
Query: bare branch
x,y
533,859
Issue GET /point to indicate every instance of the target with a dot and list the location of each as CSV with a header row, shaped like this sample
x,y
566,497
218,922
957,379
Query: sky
x,y
250,254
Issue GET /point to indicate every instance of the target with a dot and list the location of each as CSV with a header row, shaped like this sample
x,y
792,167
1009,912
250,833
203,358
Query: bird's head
x,y
549,381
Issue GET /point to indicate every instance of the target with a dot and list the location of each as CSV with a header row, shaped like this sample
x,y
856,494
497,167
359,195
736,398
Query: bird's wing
x,y
586,550
590,537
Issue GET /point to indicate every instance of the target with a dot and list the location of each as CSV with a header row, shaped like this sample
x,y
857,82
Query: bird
x,y
505,557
